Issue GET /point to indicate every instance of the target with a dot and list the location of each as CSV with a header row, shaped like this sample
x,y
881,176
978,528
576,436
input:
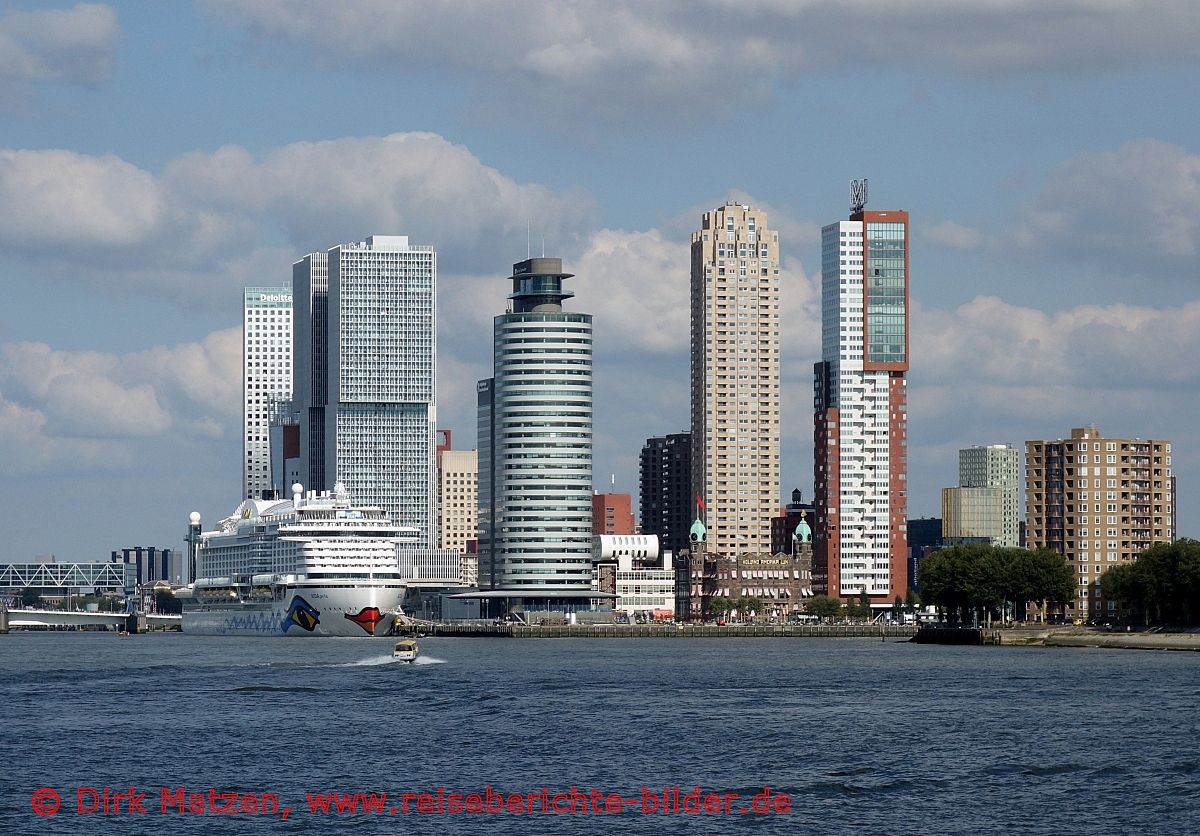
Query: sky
x,y
155,158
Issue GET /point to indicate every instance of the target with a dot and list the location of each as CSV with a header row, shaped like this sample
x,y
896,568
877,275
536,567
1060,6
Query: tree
x,y
719,605
1161,587
823,607
977,582
30,597
165,602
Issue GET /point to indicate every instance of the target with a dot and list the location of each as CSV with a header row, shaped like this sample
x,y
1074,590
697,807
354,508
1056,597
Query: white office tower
x,y
861,416
535,445
266,379
380,412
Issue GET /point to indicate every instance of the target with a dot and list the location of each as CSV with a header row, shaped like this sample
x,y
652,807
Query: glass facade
x,y
382,378
535,441
885,280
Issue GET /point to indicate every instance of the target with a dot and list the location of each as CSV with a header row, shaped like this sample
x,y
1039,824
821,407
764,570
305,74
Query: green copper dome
x,y
803,532
698,532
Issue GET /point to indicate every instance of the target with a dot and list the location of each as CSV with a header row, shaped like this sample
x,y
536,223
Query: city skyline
x,y
1050,180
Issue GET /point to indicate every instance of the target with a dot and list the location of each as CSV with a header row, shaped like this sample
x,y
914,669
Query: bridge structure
x,y
76,579
70,577
132,622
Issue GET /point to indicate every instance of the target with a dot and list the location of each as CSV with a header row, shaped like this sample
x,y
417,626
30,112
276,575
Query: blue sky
x,y
154,158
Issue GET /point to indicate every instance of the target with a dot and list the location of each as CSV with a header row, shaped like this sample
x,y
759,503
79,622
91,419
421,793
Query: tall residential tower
x,y
860,401
665,480
1099,502
735,377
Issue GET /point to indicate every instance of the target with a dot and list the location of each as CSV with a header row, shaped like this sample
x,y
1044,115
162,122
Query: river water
x,y
851,736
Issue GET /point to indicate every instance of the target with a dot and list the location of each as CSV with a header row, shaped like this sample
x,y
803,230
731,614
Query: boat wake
x,y
389,660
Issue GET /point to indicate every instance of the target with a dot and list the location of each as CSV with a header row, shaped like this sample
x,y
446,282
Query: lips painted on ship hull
x,y
367,618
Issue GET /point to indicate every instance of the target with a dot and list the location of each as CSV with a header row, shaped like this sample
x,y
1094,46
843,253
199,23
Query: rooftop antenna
x,y
527,245
858,195
543,245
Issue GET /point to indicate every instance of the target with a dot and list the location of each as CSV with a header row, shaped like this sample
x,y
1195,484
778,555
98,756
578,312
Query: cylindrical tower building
x,y
541,445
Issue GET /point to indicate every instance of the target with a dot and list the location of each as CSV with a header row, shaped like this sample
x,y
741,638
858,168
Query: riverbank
x,y
672,631
1060,637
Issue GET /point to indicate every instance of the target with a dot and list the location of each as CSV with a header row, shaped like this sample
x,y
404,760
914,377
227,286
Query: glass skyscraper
x,y
535,443
367,383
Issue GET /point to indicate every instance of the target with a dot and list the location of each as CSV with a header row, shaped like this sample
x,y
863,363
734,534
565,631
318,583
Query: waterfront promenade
x,y
671,631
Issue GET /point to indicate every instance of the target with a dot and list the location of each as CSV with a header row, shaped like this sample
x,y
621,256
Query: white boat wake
x,y
388,660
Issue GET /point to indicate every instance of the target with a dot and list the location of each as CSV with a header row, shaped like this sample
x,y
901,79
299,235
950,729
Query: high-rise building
x,y
735,377
612,513
1099,502
996,466
860,400
366,393
266,379
310,381
783,527
535,444
458,498
665,483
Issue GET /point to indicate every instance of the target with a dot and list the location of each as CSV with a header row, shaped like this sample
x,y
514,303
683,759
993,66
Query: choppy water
x,y
861,736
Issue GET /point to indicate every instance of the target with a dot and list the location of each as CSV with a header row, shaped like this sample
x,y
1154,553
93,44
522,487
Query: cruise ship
x,y
311,565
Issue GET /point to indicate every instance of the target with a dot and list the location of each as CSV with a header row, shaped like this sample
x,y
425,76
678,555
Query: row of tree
x,y
1161,587
980,583
719,605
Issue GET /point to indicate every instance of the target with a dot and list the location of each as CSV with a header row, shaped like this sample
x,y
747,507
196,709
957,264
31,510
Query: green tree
x,y
823,607
719,605
165,603
1161,587
30,597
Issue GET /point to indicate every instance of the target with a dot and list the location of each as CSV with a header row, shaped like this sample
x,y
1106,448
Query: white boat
x,y
406,651
311,565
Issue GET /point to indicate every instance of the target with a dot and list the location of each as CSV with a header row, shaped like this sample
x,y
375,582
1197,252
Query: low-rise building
x,y
633,568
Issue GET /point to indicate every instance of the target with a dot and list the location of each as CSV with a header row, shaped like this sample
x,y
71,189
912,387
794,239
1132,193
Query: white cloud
x,y
73,400
54,200
952,236
1133,209
993,372
26,447
211,222
598,61
70,45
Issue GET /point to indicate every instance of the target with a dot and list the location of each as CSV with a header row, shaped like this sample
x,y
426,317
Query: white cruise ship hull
x,y
301,608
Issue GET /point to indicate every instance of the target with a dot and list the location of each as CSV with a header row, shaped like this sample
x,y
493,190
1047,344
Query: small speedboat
x,y
406,651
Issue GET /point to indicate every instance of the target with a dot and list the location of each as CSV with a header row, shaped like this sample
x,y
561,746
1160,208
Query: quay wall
x,y
673,631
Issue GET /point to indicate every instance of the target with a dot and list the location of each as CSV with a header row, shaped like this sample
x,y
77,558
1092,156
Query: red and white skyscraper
x,y
860,399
